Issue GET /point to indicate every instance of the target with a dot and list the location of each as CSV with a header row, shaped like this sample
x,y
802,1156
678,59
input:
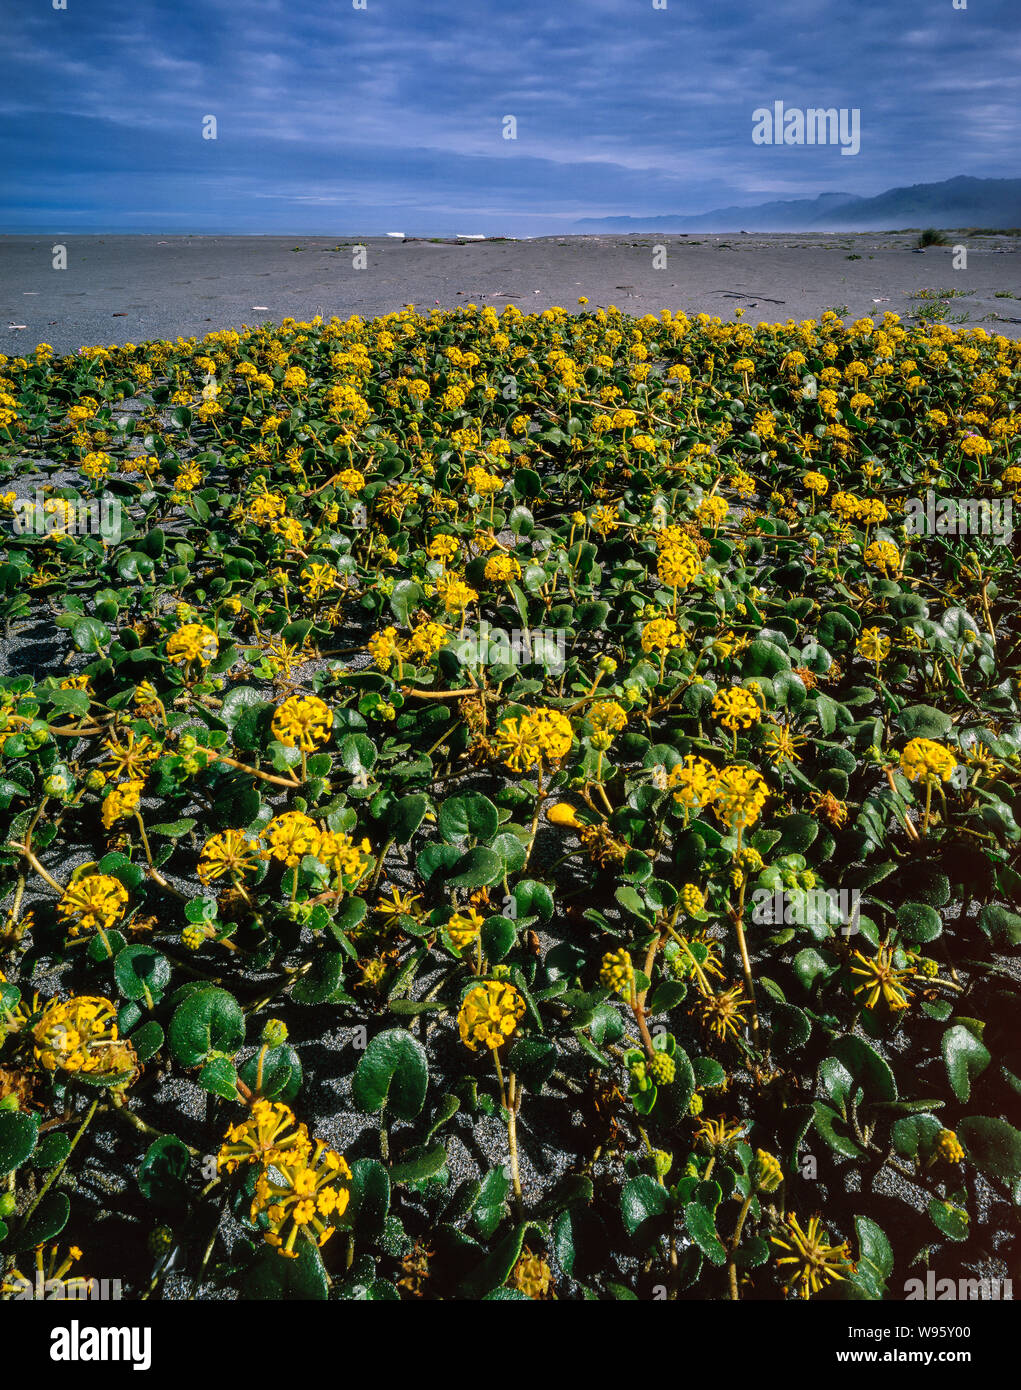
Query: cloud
x,y
620,107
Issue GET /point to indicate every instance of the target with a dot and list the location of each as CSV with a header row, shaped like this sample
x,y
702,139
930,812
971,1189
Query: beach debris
x,y
17,326
476,237
399,235
260,306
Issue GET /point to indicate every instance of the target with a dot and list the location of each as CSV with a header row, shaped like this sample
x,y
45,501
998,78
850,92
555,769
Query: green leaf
x,y
405,816
922,721
51,1150
370,1198
1000,924
642,1199
219,1075
875,1248
965,1057
471,816
491,1203
272,1278
147,1040
18,1134
919,922
534,1060
492,1272
424,1164
831,1128
951,1221
208,1020
46,1222
163,1170
478,868
701,1225
141,973
797,832
871,1075
393,1072
357,753
994,1147
499,936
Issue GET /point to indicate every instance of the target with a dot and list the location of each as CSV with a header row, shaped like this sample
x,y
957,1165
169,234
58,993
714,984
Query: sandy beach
x,y
119,289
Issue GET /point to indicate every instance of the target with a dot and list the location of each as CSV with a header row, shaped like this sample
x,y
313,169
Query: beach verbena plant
x,y
512,809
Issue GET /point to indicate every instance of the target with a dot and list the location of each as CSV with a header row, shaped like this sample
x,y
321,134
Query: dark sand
x,y
120,289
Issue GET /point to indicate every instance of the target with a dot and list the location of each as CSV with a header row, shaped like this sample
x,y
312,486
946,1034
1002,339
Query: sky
x,y
336,120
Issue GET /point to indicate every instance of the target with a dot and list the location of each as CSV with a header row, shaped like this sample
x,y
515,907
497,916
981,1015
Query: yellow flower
x,y
340,853
661,635
711,511
290,837
318,579
122,800
948,1146
816,1262
540,735
303,721
873,645
815,482
443,547
739,796
311,1191
489,1014
502,568
464,927
617,973
93,901
563,813
80,1035
692,899
228,852
767,1171
693,782
531,1275
193,642
736,708
880,977
722,1013
608,716
678,567
268,1134
782,745
883,555
926,761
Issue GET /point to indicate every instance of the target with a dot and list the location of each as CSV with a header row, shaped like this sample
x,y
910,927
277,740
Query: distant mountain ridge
x,y
957,202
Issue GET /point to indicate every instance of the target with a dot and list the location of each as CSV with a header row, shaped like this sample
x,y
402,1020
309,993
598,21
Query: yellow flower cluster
x,y
194,642
79,1035
539,735
92,902
926,761
489,1014
303,721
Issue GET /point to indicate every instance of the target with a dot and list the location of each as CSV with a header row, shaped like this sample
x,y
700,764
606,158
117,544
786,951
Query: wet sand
x,y
119,289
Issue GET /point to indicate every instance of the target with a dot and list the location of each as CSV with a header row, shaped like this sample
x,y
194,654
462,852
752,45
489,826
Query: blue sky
x,y
337,120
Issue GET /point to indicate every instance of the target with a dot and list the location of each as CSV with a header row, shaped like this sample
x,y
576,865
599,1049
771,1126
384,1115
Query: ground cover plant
x,y
546,752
